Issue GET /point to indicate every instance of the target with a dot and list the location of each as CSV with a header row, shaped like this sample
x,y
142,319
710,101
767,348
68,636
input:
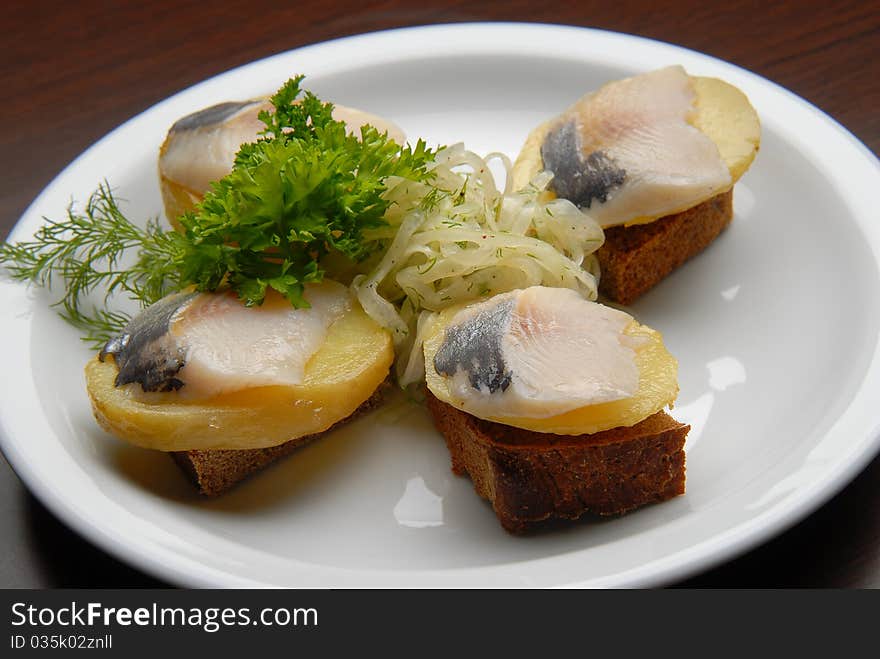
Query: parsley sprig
x,y
306,189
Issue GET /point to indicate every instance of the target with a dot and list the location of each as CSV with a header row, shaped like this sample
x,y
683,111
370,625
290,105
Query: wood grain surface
x,y
72,71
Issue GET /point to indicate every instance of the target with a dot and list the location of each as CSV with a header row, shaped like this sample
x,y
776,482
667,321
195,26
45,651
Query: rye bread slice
x,y
214,472
529,477
636,258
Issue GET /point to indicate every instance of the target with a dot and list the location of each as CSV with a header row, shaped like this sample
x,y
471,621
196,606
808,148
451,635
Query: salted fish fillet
x,y
207,344
201,147
536,353
627,152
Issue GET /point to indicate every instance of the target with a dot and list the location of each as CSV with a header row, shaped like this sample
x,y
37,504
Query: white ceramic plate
x,y
775,328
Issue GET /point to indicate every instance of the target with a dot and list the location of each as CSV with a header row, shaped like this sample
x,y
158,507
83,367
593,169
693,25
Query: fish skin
x,y
211,116
144,350
474,346
577,176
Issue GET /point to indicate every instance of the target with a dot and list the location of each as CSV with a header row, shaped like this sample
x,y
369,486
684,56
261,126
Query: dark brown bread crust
x,y
214,472
530,477
634,259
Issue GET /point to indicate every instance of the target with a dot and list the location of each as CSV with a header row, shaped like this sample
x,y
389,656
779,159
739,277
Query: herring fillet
x,y
230,347
204,344
627,151
537,353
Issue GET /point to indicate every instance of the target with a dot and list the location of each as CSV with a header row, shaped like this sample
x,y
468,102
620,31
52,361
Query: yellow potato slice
x,y
177,200
353,361
658,387
724,113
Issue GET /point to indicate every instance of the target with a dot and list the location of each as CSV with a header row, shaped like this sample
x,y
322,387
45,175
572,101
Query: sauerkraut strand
x,y
460,238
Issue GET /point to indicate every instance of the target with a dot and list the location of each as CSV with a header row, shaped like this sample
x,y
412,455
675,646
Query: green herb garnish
x,y
304,190
85,250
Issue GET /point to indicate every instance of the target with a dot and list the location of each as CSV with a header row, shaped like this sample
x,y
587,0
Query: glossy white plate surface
x,y
775,327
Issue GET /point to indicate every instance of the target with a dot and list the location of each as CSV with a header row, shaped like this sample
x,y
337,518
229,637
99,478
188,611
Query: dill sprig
x,y
85,250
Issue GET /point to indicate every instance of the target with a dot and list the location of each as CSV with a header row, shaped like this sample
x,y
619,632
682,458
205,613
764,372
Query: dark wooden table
x,y
72,71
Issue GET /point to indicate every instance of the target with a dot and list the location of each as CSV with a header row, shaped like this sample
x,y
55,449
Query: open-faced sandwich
x,y
653,159
554,405
227,389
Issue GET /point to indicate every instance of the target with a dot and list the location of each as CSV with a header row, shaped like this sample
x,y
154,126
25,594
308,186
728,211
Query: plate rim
x,y
741,538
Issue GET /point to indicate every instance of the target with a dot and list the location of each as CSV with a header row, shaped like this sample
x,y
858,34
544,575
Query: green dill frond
x,y
83,253
98,327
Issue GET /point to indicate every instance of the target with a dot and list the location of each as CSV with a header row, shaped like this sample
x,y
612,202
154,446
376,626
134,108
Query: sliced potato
x,y
177,200
724,113
353,361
